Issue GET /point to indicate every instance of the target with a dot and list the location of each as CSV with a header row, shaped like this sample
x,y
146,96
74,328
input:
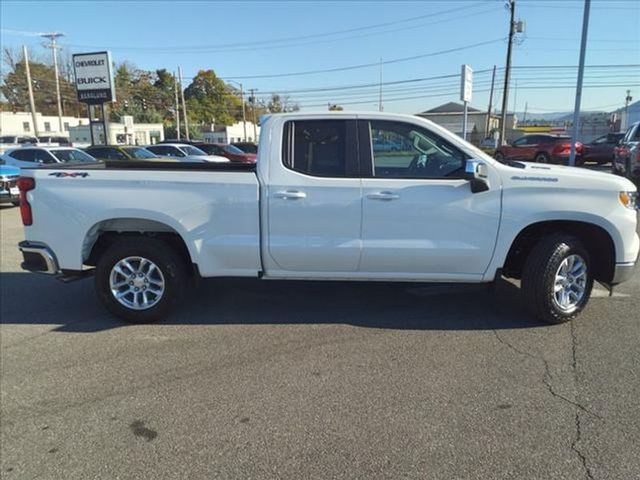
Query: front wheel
x,y
140,279
557,279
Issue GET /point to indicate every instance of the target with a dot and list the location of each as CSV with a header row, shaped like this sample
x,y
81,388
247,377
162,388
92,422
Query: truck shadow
x,y
37,300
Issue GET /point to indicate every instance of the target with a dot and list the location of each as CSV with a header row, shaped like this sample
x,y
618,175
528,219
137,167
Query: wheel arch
x,y
596,239
104,232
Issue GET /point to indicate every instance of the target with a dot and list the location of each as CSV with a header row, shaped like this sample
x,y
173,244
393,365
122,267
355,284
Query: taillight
x,y
25,184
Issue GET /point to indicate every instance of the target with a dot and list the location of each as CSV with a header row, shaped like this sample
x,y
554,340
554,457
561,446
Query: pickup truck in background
x,y
322,203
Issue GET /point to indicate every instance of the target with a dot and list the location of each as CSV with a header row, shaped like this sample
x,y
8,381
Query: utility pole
x,y
507,73
380,108
493,81
54,48
30,88
244,114
177,108
253,110
627,100
576,108
524,117
184,107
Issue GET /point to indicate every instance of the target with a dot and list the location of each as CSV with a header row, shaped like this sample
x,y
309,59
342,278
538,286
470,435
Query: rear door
x,y
420,219
314,199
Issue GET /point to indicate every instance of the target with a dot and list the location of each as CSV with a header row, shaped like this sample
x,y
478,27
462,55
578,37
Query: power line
x,y
293,41
364,65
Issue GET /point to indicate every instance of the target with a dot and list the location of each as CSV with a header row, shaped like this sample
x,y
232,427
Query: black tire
x,y
499,156
542,157
539,274
16,203
171,265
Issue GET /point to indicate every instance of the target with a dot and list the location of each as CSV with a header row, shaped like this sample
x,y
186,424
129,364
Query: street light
x,y
244,116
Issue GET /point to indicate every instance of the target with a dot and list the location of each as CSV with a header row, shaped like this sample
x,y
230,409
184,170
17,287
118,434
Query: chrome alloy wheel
x,y
137,283
570,283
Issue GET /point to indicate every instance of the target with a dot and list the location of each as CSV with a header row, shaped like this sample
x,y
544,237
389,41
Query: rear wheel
x,y
542,157
556,279
140,279
499,156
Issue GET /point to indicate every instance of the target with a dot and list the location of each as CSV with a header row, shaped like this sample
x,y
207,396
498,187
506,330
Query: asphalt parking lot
x,y
289,380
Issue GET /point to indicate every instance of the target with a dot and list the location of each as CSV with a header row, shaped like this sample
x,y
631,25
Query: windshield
x,y
141,153
190,150
233,150
72,155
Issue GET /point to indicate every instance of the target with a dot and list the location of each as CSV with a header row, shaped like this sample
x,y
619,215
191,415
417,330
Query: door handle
x,y
290,195
384,196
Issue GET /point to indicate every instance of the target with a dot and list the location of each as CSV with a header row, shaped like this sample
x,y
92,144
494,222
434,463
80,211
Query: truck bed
x,y
214,208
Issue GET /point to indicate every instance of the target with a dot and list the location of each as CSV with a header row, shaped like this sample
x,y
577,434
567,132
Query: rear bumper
x,y
38,258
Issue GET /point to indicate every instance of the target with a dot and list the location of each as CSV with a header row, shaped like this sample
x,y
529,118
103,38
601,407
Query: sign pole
x,y
576,108
93,142
466,91
464,121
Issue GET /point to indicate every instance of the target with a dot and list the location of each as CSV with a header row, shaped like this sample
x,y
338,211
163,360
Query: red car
x,y
540,148
229,151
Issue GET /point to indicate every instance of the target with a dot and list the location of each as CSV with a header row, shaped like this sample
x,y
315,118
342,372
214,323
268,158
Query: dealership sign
x,y
94,81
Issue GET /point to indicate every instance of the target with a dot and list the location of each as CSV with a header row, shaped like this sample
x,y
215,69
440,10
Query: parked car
x,y
126,153
540,148
246,147
626,161
234,154
600,150
9,192
24,157
185,152
17,139
11,141
54,140
320,204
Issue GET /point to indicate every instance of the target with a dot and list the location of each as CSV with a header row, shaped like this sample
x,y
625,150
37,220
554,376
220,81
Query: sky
x,y
262,43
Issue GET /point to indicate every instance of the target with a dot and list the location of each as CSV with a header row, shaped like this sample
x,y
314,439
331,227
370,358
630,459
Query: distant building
x,y
450,116
231,133
119,134
21,123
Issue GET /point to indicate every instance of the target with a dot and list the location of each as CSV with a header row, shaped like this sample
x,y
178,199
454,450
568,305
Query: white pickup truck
x,y
325,202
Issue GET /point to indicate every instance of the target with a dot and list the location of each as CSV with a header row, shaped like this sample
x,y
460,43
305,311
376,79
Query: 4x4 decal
x,y
69,174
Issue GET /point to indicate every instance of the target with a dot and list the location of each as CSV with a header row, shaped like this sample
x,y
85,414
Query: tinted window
x,y
165,150
319,148
8,139
520,141
211,149
233,150
191,150
141,153
72,155
23,155
413,152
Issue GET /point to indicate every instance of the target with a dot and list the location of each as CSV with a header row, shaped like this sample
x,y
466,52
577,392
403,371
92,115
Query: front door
x,y
314,199
420,219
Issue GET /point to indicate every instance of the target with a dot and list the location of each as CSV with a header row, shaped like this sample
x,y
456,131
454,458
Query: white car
x,y
185,152
321,204
27,157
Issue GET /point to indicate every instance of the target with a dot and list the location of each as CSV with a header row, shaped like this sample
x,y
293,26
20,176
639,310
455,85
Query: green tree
x,y
211,100
281,104
16,93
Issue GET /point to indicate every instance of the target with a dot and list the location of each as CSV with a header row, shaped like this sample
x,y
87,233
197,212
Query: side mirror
x,y
477,173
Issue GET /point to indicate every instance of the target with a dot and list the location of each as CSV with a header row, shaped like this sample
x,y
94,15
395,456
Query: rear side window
x,y
23,155
323,148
